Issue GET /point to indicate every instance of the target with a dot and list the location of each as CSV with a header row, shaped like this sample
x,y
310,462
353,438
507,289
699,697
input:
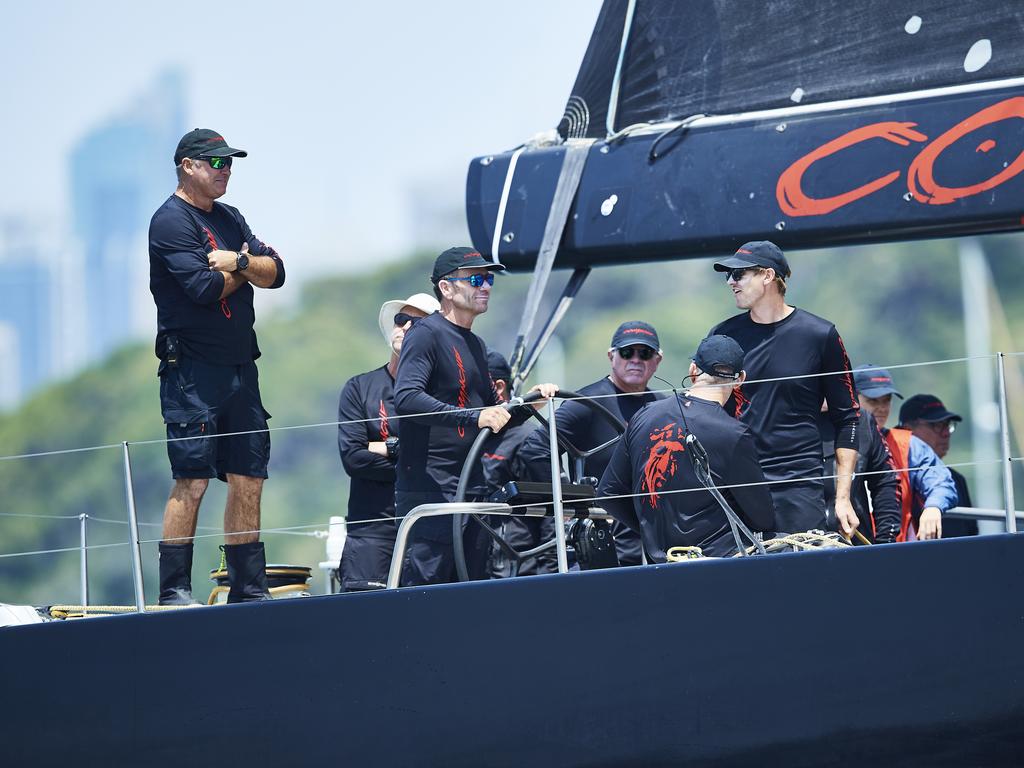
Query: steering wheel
x,y
476,449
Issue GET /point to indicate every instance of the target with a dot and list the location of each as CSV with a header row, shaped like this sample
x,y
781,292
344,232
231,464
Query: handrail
x,y
435,510
981,513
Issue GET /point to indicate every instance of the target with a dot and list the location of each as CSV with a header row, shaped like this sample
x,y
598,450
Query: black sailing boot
x,y
247,572
176,574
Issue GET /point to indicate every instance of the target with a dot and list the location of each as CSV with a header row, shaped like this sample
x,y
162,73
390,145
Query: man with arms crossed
x,y
203,263
781,341
368,444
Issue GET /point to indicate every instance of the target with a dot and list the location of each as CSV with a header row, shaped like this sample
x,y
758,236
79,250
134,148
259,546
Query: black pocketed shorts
x,y
199,401
365,562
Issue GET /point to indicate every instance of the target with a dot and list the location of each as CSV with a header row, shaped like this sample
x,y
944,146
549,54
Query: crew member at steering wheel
x,y
634,355
670,507
499,459
445,392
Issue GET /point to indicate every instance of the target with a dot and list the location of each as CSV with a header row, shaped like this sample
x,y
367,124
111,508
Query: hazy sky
x,y
343,106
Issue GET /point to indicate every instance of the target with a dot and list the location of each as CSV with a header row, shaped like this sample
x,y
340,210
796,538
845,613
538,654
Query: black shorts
x,y
365,563
200,401
799,506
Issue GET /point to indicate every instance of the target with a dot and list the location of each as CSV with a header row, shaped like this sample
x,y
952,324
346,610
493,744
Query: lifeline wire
x,y
481,408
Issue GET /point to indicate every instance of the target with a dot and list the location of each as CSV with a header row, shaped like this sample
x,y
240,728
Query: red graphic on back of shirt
x,y
463,398
661,461
384,432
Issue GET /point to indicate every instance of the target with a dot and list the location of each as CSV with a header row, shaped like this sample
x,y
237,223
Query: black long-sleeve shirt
x,y
783,415
880,521
651,460
187,292
442,370
372,489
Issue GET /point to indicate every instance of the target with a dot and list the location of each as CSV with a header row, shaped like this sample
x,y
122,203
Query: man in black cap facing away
x,y
445,394
204,261
784,342
929,420
653,463
634,355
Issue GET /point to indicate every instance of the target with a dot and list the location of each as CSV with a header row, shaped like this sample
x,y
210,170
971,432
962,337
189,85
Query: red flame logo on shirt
x,y
661,461
384,432
213,244
740,401
463,394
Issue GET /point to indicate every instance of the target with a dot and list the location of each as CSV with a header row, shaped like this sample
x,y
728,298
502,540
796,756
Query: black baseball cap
x,y
202,142
461,258
636,332
757,253
719,356
872,381
498,367
926,408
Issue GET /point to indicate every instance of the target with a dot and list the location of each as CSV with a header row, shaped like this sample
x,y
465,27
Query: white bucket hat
x,y
386,320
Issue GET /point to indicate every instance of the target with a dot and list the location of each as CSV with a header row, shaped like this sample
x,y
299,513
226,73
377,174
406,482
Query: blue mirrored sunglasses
x,y
475,280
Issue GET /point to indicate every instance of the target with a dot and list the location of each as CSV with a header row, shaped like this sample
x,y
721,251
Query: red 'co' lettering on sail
x,y
789,190
920,178
463,393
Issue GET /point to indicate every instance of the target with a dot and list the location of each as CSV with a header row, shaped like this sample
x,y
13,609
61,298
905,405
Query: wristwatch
x,y
392,447
242,262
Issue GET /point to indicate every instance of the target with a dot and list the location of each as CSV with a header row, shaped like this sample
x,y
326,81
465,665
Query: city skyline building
x,y
119,173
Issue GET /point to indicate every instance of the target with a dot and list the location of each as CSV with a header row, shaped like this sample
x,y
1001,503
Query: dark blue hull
x,y
903,655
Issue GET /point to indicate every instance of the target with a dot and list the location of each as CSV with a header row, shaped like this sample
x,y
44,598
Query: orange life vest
x,y
898,441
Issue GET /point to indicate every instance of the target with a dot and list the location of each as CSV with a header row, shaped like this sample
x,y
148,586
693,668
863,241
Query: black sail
x,y
715,57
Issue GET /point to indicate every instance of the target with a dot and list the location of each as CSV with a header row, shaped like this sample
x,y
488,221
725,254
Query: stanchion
x,y
83,559
556,490
133,531
1004,429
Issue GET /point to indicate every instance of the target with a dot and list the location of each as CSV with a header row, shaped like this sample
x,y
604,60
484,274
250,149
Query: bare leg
x,y
182,510
242,512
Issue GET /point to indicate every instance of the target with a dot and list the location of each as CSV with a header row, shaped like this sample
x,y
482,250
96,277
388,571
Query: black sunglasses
x,y
401,319
644,353
218,163
737,274
475,280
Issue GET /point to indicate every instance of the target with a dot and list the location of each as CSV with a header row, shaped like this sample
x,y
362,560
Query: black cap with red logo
x,y
202,142
757,253
926,408
636,332
461,258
